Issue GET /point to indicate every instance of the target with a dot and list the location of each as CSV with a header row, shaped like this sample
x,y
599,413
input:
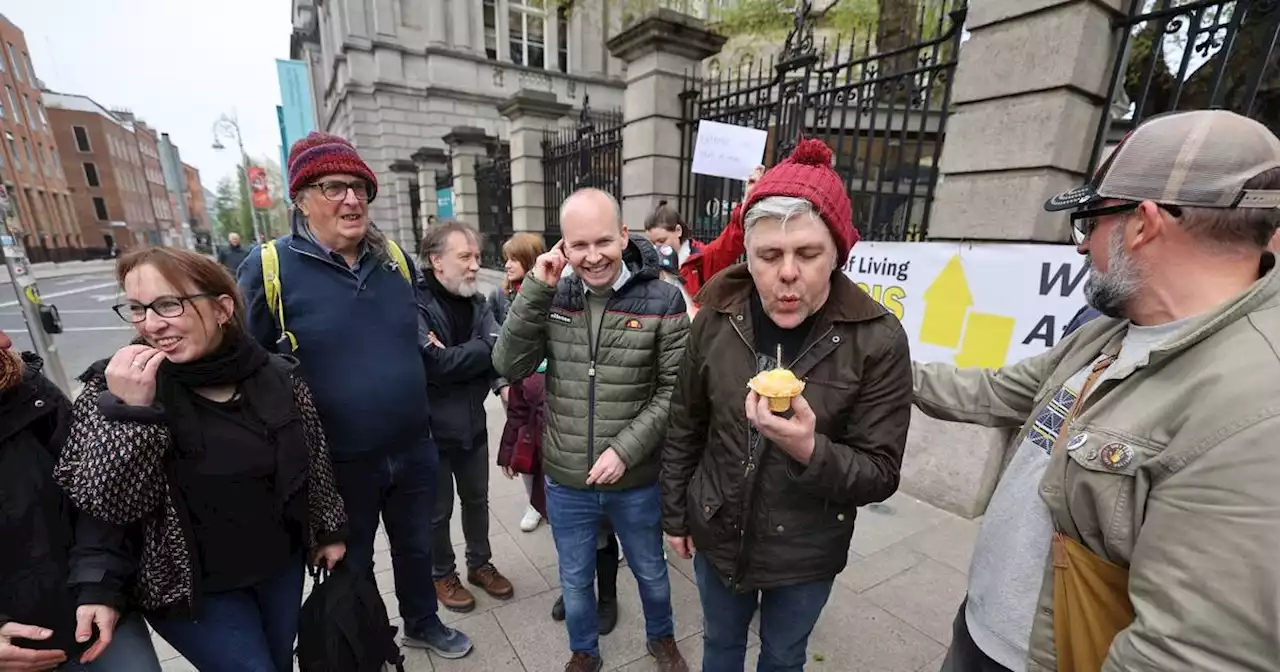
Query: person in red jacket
x,y
699,262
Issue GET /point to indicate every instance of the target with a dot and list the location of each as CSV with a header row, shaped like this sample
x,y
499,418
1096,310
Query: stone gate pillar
x,y
660,50
531,114
402,230
1029,93
468,144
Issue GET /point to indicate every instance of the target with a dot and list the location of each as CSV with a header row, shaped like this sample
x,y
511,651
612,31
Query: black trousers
x,y
964,655
468,468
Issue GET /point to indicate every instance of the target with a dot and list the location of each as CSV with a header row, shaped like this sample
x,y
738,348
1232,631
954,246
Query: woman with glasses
x,y
214,448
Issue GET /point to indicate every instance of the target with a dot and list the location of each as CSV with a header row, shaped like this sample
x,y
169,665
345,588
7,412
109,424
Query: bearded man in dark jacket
x,y
63,573
460,376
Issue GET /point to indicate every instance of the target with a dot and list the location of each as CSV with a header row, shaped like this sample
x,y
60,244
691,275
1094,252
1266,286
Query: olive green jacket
x,y
612,394
1195,513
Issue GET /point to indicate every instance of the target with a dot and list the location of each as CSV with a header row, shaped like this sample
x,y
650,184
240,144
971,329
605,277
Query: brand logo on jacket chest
x,y
563,319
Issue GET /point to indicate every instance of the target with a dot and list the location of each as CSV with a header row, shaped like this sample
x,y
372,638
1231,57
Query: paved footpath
x,y
890,611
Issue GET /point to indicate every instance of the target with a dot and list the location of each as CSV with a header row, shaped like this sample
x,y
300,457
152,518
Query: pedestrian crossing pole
x,y
42,320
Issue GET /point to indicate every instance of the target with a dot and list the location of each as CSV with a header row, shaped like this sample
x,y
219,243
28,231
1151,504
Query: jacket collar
x,y
730,292
32,398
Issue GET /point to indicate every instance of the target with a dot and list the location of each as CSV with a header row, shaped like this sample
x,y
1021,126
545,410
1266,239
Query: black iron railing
x,y
883,114
493,186
588,155
1186,55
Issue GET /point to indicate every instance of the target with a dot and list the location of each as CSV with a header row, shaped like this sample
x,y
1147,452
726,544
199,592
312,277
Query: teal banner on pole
x,y
284,153
444,203
297,111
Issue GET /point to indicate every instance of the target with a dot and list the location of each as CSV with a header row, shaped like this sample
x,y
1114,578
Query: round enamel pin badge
x,y
1116,456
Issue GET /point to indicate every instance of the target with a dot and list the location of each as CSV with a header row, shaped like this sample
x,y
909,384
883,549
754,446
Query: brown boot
x,y
453,596
584,662
668,655
491,581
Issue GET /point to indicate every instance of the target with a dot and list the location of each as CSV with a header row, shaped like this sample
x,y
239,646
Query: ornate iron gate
x,y
493,185
589,155
883,115
1186,55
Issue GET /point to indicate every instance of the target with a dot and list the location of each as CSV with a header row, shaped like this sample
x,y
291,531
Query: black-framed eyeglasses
x,y
165,306
336,190
1083,222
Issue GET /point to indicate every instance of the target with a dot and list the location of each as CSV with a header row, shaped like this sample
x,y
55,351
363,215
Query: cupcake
x,y
779,386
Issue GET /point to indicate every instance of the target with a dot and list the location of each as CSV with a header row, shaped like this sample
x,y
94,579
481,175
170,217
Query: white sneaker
x,y
531,519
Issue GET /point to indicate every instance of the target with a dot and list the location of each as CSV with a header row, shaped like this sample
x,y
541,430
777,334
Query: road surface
x,y
91,331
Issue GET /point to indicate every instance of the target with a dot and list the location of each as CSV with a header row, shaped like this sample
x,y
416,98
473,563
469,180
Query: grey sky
x,y
177,64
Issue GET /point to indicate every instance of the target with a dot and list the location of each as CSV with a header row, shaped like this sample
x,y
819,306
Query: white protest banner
x,y
725,150
974,304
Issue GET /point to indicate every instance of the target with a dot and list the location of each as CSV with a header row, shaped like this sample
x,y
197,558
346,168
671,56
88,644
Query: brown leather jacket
x,y
783,523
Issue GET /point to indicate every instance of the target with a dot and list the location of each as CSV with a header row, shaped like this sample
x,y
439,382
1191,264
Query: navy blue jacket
x,y
359,343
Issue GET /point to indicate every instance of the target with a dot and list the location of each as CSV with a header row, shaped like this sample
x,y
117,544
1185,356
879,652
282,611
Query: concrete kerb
x,y
49,270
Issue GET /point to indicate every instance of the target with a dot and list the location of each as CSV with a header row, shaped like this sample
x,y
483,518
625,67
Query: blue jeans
x,y
246,630
130,650
401,488
787,616
636,515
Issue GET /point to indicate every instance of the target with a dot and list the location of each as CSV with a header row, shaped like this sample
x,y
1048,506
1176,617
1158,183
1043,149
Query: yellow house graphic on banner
x,y
981,339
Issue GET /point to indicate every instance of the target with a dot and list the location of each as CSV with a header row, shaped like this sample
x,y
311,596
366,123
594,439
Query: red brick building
x,y
166,216
42,213
110,195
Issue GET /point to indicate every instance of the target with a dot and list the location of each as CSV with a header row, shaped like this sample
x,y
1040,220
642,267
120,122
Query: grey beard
x,y
465,289
1111,292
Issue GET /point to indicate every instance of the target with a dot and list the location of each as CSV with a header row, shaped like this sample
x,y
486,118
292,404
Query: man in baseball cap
x,y
1135,525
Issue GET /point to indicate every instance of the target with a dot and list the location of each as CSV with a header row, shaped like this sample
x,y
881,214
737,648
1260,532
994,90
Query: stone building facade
x,y
397,76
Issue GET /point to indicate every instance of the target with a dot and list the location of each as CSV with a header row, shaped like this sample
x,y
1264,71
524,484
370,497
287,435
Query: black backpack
x,y
344,627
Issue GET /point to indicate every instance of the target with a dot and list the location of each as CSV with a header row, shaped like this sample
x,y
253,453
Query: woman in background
x,y
520,251
700,262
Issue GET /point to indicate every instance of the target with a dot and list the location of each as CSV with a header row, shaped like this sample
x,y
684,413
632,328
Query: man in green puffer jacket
x,y
613,335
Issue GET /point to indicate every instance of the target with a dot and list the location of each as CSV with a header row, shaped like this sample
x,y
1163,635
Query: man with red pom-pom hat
x,y
768,499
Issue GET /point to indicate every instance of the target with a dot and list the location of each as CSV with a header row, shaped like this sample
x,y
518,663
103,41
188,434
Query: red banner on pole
x,y
258,185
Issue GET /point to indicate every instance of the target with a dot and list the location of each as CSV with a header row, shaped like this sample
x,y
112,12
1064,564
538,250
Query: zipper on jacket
x,y
594,347
748,483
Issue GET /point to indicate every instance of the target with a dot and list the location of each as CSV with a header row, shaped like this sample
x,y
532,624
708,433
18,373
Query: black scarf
x,y
267,393
460,310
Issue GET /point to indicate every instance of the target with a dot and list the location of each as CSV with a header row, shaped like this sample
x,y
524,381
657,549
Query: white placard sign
x,y
725,150
974,304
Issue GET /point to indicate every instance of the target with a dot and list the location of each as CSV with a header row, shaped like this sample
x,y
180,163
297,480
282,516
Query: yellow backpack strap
x,y
403,264
271,282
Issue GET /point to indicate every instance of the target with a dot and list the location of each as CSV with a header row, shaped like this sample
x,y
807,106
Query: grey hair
x,y
781,208
437,236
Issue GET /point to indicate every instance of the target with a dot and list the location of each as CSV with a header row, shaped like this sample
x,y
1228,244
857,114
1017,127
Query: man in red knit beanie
x,y
768,499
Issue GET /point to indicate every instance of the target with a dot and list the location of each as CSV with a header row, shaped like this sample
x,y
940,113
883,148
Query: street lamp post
x,y
229,127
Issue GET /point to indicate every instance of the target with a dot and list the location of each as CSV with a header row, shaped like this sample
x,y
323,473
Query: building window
x,y
528,32
82,138
13,104
562,39
57,163
100,208
491,29
13,151
91,175
2,114
44,118
17,64
31,69
31,120
26,145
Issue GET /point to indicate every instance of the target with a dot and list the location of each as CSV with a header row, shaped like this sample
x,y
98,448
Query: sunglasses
x,y
1083,222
